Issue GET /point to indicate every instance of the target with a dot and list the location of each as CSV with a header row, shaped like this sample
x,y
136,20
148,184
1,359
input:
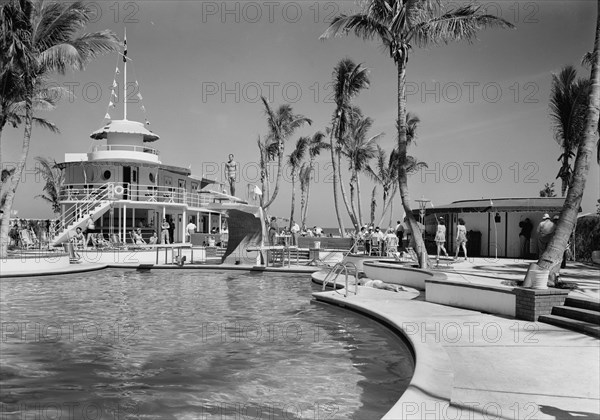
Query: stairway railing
x,y
82,209
337,270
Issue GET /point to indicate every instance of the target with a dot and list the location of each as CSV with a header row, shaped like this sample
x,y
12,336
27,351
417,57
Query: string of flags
x,y
114,97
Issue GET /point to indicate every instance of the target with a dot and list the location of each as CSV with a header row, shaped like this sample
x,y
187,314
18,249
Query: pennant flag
x,y
139,95
112,93
147,122
114,83
136,83
125,49
143,108
111,104
107,116
257,190
117,71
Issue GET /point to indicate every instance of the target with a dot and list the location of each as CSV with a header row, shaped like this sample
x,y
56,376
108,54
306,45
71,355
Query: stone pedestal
x,y
531,303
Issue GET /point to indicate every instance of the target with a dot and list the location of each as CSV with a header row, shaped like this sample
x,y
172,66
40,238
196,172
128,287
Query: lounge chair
x,y
26,240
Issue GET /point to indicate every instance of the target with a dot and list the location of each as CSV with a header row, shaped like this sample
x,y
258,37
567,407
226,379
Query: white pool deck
x,y
473,365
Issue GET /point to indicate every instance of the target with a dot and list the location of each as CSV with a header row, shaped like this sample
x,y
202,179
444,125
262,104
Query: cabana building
x,y
492,224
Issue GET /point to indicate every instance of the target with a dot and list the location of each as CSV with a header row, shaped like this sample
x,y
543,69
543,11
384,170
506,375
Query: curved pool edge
x,y
72,269
431,384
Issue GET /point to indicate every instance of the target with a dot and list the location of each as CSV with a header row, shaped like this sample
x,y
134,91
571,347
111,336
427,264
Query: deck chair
x,y
115,242
391,246
26,241
375,247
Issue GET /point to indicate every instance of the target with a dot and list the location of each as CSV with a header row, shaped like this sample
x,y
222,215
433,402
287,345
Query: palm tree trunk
x,y
279,173
16,177
402,176
303,214
344,195
360,218
551,258
387,204
293,197
335,183
353,197
564,179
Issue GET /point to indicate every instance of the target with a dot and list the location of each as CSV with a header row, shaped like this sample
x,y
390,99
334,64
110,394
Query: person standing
x,y
295,230
440,238
545,231
190,229
400,231
164,234
525,237
231,168
461,238
273,230
90,230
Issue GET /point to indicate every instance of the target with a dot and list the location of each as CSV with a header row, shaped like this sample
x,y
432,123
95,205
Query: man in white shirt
x,y
295,230
190,228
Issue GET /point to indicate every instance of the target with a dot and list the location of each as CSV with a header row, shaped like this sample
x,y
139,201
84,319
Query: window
x,y
194,186
106,175
151,177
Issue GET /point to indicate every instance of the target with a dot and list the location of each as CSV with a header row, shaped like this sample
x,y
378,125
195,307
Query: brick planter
x,y
531,303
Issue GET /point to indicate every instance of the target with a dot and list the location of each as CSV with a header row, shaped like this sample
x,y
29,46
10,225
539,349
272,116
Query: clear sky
x,y
485,130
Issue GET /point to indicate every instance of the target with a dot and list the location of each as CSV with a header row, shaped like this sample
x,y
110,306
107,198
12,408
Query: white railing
x,y
142,193
82,208
338,269
124,147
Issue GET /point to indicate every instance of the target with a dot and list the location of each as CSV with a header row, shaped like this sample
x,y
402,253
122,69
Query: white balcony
x,y
124,152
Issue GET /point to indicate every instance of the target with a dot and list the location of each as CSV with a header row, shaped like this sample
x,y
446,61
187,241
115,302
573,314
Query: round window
x,y
151,176
106,175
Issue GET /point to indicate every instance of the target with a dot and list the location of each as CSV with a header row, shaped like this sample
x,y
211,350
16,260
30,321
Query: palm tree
x,y
400,24
282,123
294,161
567,111
315,146
348,80
54,178
359,150
551,258
43,41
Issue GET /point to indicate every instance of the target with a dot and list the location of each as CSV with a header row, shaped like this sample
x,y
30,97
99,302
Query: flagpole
x,y
495,232
125,75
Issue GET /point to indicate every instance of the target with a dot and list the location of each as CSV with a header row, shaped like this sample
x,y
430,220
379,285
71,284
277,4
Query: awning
x,y
536,204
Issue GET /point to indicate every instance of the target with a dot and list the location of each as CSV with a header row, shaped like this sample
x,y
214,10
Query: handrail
x,y
337,269
80,209
143,193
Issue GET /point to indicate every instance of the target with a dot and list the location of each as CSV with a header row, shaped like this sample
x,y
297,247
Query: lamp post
x,y
422,205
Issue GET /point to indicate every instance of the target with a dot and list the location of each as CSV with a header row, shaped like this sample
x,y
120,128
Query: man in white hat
x,y
544,233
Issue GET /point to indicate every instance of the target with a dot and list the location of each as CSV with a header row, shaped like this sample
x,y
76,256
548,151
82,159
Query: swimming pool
x,y
183,344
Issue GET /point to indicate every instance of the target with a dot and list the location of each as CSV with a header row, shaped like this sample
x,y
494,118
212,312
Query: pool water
x,y
184,344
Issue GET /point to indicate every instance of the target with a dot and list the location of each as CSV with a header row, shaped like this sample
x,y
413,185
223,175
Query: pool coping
x,y
82,268
71,269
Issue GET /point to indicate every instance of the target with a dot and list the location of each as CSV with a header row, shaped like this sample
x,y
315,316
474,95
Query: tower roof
x,y
124,127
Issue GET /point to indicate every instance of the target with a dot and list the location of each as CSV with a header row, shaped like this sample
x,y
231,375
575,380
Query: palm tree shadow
x,y
562,414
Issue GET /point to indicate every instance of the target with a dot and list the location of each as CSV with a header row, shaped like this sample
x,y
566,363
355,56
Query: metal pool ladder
x,y
338,269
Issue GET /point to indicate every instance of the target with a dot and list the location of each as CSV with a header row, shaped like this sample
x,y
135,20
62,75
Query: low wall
x,y
397,273
490,299
326,243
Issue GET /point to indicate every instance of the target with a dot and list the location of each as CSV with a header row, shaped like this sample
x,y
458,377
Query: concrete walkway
x,y
506,272
472,365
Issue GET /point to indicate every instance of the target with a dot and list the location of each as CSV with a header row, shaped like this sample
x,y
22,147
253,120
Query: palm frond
x,y
461,24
